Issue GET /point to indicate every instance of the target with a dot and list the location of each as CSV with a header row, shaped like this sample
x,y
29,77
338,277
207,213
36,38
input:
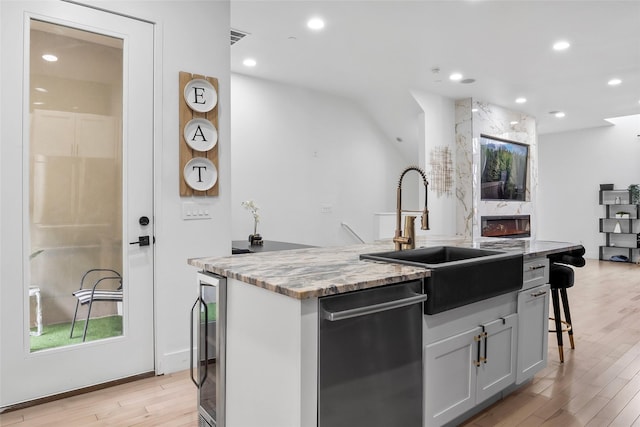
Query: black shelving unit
x,y
620,225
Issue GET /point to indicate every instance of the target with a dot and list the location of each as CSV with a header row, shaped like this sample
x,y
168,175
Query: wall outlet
x,y
326,209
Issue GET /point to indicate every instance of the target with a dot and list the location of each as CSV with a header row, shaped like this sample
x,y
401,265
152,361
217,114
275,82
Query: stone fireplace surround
x,y
473,118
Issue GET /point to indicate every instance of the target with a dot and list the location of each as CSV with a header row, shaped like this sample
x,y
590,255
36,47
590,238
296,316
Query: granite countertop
x,y
316,272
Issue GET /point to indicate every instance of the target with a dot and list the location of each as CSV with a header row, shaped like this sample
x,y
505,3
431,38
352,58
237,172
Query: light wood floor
x,y
598,385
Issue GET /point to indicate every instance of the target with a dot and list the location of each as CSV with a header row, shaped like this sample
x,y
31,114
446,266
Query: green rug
x,y
58,335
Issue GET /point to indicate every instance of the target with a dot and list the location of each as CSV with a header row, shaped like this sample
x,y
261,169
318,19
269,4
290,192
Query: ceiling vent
x,y
236,36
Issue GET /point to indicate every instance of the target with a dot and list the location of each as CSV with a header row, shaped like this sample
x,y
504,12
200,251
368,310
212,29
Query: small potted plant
x,y
255,238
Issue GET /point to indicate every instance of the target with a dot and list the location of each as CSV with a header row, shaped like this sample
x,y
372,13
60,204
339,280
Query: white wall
x,y
571,168
438,132
196,43
296,152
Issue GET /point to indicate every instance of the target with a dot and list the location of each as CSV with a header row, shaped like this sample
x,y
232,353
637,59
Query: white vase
x,y
617,228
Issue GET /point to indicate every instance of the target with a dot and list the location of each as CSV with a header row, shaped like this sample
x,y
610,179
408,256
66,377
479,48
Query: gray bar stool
x,y
561,277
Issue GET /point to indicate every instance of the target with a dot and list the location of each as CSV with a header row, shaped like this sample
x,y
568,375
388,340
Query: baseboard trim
x,y
77,392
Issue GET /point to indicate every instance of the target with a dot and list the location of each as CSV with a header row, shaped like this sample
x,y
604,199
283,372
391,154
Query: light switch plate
x,y
196,210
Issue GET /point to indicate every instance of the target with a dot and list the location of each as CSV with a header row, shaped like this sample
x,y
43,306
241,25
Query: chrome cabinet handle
x,y
536,267
374,308
191,344
199,300
538,294
206,343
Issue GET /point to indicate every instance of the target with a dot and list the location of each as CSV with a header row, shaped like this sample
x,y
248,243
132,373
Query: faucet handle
x,y
409,232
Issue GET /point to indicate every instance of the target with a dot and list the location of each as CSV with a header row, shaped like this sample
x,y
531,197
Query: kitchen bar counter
x,y
273,331
243,246
315,272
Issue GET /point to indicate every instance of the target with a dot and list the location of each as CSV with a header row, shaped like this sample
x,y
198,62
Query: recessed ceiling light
x,y
561,45
41,89
474,110
49,58
315,23
38,103
455,77
521,100
614,82
559,114
515,122
249,62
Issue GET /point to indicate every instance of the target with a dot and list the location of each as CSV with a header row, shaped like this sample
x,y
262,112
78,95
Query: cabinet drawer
x,y
535,272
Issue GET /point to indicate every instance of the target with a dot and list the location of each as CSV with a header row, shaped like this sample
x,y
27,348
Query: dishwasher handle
x,y
374,308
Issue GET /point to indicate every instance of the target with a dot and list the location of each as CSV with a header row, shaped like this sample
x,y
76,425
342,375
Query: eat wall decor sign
x,y
198,138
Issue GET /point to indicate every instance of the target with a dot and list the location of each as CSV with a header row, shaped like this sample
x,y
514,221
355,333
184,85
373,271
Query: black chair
x,y
91,294
561,277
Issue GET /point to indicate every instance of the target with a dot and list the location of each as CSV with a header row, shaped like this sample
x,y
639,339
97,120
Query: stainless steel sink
x,y
459,275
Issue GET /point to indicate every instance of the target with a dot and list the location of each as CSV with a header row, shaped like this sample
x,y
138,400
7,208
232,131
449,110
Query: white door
x,y
76,175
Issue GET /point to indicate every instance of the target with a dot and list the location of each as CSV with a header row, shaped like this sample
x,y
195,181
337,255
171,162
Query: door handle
x,y
375,308
200,303
191,344
142,241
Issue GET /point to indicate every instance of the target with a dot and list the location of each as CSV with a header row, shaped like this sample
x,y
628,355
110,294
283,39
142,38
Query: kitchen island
x,y
272,330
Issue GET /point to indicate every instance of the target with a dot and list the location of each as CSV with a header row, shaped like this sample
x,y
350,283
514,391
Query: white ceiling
x,y
378,52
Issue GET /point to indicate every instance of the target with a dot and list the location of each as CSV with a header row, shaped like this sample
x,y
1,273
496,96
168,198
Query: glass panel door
x,y
75,203
77,188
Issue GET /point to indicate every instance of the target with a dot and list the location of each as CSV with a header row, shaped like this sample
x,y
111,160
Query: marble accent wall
x,y
474,118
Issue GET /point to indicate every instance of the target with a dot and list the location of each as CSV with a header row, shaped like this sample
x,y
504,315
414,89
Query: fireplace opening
x,y
506,226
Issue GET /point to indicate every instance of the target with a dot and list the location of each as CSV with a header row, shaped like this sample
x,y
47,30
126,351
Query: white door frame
x,y
13,118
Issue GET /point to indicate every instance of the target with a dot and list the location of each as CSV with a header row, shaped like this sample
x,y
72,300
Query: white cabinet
x,y
468,368
498,367
53,133
450,376
60,133
535,272
533,311
75,178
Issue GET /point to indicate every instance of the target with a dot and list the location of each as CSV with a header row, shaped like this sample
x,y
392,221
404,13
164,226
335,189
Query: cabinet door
x,y
533,312
95,136
53,133
498,367
53,192
450,376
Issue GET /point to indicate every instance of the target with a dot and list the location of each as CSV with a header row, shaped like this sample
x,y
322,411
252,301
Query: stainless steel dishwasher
x,y
370,357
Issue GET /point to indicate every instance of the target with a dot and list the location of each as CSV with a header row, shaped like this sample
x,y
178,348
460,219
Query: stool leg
x,y
567,314
556,315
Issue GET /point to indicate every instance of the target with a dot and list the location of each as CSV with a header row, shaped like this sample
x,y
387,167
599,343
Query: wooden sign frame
x,y
186,152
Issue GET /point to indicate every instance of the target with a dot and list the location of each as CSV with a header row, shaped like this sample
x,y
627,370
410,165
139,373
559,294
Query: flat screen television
x,y
503,169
